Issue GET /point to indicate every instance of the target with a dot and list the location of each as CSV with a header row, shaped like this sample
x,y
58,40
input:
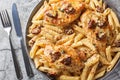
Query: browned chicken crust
x,y
63,12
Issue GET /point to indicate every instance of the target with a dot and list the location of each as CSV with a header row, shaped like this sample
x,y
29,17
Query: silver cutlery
x,y
8,28
18,30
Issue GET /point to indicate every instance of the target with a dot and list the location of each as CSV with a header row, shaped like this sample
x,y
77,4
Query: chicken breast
x,y
98,30
64,59
63,12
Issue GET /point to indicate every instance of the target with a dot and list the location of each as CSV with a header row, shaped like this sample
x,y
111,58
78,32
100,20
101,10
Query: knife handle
x,y
26,59
16,63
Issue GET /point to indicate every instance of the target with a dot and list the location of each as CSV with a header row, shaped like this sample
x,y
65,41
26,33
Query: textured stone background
x,y
7,71
25,7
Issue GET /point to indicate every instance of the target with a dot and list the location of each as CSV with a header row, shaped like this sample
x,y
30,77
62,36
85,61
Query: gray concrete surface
x,y
7,71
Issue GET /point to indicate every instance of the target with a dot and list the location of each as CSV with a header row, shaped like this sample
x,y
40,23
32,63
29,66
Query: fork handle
x,y
16,63
26,59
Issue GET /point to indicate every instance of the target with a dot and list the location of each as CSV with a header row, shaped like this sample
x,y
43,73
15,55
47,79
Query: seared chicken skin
x,y
64,58
63,12
98,30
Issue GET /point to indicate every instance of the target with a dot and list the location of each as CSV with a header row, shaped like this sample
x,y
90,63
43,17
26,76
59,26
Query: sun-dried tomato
x,y
66,61
36,30
91,24
55,56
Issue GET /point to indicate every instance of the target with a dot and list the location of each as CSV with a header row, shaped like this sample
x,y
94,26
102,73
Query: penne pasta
x,y
42,43
107,12
74,39
39,52
74,45
92,60
47,35
87,1
104,61
31,28
63,40
116,21
113,62
54,28
118,37
111,22
78,38
96,3
92,5
100,74
68,43
101,3
103,68
30,35
34,39
46,69
36,61
92,72
77,28
87,43
50,31
84,73
116,49
64,77
37,22
104,5
40,13
33,50
53,1
108,53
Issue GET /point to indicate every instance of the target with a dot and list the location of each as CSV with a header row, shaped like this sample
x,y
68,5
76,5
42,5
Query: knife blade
x,y
18,30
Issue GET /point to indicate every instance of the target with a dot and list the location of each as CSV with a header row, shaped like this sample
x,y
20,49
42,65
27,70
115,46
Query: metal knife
x,y
18,30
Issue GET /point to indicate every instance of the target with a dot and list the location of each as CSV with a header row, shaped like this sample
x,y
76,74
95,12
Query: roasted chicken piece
x,y
97,29
63,12
64,59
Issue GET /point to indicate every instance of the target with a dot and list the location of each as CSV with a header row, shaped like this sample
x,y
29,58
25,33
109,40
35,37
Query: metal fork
x,y
8,28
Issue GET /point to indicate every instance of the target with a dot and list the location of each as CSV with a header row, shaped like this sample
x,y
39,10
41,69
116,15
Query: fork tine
x,y
8,18
2,18
5,18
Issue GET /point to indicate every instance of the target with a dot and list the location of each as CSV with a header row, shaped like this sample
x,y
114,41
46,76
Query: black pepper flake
x,y
66,61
